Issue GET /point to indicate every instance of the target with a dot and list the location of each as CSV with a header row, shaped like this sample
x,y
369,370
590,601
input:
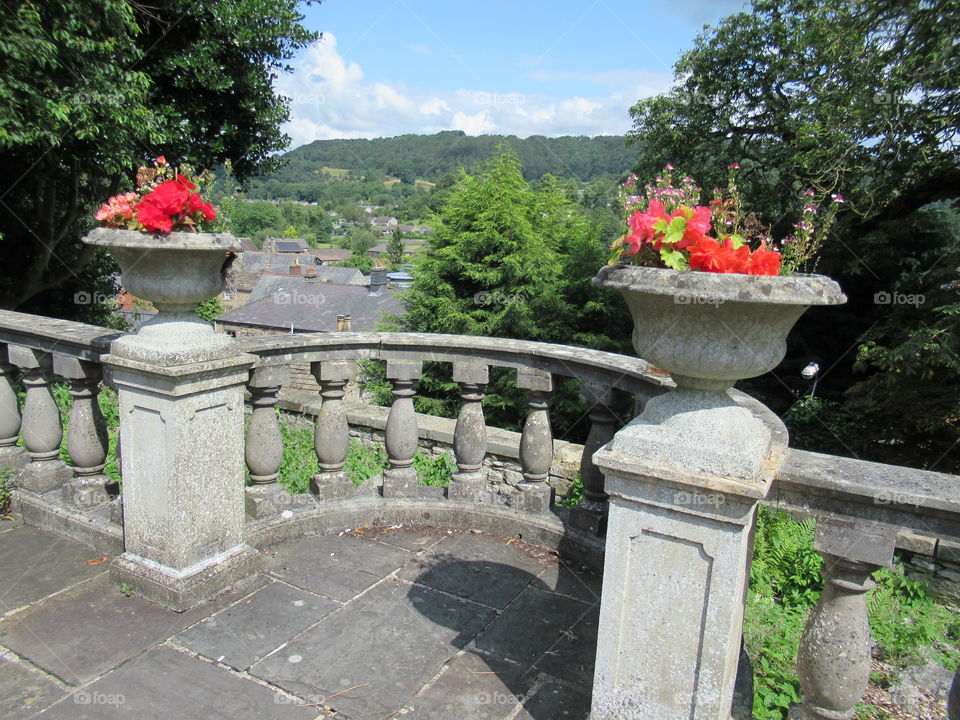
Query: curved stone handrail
x,y
629,374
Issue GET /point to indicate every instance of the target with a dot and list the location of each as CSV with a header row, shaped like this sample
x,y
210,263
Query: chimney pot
x,y
346,323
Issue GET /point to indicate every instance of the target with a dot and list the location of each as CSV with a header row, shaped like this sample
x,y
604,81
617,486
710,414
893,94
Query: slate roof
x,y
270,283
313,307
331,254
287,245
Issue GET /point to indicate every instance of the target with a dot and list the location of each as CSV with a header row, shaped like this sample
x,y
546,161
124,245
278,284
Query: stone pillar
x,y
42,429
834,658
678,551
183,473
953,702
590,514
264,446
536,441
11,456
469,482
400,479
87,438
331,436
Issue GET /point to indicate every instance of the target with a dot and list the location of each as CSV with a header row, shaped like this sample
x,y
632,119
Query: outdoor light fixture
x,y
810,371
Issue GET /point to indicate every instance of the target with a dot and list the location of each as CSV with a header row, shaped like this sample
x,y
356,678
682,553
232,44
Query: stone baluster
x,y
536,442
11,456
834,658
400,479
42,429
264,445
87,437
331,436
470,436
590,514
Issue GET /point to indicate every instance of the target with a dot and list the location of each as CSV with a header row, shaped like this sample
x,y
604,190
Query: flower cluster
x,y
669,228
165,200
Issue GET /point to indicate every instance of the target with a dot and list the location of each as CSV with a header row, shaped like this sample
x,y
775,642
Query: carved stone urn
x,y
176,272
709,330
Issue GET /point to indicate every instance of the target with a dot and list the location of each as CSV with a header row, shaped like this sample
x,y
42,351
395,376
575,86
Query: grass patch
x,y
908,625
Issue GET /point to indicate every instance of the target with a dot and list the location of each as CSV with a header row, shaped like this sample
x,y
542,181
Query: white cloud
x,y
473,124
419,49
331,98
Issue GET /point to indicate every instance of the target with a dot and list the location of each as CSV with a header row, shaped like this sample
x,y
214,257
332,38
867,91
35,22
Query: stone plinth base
x,y
331,486
41,477
185,589
13,457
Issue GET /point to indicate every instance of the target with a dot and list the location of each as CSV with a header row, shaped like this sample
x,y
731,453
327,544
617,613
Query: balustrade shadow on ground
x,y
855,533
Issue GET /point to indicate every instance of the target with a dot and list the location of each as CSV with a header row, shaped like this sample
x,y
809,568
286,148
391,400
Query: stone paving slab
x,y
573,579
252,628
165,684
81,634
386,645
35,564
473,686
556,701
573,657
488,570
535,622
335,566
412,539
24,692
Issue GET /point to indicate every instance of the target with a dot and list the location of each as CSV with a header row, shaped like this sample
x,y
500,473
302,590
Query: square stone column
x,y
678,553
183,478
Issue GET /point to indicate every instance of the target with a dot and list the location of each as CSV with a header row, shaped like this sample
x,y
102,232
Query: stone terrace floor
x,y
405,622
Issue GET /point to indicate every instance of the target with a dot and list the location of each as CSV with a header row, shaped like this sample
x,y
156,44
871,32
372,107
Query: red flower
x,y
709,255
161,209
764,262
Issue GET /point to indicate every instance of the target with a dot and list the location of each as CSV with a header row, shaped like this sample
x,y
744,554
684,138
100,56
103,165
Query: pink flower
x,y
837,197
734,166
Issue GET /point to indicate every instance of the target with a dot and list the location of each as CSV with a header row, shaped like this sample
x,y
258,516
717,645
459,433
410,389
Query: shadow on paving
x,y
537,652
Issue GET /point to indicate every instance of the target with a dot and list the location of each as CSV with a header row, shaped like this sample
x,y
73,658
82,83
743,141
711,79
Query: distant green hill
x,y
430,157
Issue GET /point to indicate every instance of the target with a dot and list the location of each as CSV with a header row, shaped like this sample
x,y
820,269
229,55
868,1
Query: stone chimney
x,y
378,280
295,267
310,275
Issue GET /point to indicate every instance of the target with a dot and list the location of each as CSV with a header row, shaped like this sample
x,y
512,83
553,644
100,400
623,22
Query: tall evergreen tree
x,y
395,247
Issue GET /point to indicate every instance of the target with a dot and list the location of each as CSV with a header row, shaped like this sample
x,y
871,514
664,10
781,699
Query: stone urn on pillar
x,y
181,392
176,272
684,479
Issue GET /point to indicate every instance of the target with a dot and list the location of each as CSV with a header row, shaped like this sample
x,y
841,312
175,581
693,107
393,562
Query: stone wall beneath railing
x,y
935,560
368,423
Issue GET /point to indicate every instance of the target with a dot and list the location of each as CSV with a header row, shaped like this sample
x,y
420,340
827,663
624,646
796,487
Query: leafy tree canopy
x,y
858,98
93,88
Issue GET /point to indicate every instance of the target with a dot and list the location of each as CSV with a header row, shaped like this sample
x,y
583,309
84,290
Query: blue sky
x,y
521,67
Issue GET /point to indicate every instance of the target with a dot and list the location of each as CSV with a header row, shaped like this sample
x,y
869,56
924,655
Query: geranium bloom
x,y
160,209
709,255
764,262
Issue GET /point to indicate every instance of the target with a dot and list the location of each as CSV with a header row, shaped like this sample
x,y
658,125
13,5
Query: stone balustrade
x,y
860,507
